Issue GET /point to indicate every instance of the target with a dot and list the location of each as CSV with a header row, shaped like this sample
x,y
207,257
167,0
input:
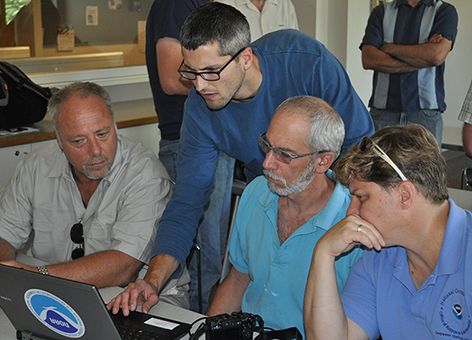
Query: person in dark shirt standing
x,y
406,43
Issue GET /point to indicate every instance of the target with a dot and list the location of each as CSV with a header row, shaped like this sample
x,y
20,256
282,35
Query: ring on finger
x,y
359,228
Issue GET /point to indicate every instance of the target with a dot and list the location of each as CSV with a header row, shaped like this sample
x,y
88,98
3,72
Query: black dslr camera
x,y
235,326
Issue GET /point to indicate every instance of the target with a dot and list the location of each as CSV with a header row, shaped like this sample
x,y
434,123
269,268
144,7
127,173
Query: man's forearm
x,y
7,252
418,56
229,295
160,270
102,269
323,311
377,60
467,139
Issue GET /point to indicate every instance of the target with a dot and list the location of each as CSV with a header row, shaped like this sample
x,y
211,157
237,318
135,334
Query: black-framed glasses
x,y
363,145
77,236
284,156
206,75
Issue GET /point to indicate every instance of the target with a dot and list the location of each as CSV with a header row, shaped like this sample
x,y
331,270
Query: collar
x,y
324,218
452,249
398,3
248,2
451,253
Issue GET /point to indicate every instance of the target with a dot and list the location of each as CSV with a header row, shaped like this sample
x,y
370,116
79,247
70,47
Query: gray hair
x,y
80,89
216,22
327,127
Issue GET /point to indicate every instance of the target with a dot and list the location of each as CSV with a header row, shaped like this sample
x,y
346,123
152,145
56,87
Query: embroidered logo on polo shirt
x,y
54,313
455,319
457,310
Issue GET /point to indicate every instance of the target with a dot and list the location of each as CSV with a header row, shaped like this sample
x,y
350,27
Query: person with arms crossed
x,y
415,282
87,205
406,43
282,215
265,16
163,57
466,117
237,88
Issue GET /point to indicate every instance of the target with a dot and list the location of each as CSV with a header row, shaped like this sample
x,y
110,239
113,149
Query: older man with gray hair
x,y
87,206
282,215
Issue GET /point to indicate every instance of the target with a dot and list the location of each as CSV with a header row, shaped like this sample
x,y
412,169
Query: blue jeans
x,y
213,227
430,119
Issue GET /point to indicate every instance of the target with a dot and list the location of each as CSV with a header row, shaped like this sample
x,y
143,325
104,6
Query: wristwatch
x,y
43,270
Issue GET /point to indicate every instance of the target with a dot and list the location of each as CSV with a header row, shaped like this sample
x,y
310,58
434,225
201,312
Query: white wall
x,y
340,25
357,15
459,67
306,15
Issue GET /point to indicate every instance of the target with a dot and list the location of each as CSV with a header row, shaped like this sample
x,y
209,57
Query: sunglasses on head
x,y
367,143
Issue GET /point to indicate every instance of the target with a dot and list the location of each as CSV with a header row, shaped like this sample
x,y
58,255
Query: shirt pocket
x,y
98,236
51,235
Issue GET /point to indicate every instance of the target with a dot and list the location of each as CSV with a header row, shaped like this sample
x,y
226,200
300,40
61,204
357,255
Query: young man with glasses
x,y
86,206
236,90
169,91
282,215
415,282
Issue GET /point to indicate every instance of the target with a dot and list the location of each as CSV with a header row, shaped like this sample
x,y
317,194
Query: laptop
x,y
47,307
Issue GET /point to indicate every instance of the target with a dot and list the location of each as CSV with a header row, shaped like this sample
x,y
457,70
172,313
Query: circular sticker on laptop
x,y
54,313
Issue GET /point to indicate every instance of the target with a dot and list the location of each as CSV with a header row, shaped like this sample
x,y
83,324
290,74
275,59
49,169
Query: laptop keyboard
x,y
131,333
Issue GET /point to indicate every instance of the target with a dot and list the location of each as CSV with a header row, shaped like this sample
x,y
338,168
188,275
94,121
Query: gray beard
x,y
299,185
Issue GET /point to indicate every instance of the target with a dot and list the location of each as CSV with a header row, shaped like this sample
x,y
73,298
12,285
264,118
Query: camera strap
x,y
291,333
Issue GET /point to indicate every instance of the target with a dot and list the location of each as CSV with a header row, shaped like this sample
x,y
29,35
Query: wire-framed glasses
x,y
206,75
284,156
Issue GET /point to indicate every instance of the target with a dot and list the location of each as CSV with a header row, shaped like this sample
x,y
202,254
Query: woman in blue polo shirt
x,y
416,281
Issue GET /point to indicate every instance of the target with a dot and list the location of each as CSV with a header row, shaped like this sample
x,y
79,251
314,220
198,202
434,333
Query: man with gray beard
x,y
282,215
85,207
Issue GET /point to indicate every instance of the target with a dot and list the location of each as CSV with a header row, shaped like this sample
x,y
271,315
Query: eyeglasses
x,y
379,152
77,236
206,75
281,155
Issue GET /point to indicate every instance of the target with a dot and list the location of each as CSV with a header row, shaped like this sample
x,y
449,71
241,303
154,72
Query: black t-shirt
x,y
164,20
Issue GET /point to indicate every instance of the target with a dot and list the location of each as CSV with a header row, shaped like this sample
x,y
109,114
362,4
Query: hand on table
x,y
139,293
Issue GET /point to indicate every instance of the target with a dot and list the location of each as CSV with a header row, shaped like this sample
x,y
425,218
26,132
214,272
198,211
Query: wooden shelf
x,y
127,114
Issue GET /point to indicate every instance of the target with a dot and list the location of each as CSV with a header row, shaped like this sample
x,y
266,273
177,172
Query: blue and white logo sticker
x,y
54,313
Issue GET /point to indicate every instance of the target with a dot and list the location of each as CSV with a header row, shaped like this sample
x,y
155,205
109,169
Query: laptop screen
x,y
54,308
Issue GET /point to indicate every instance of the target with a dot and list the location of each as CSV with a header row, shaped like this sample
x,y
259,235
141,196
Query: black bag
x,y
22,102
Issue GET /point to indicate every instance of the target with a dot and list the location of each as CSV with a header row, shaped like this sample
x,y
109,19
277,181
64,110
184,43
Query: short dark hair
x,y
215,22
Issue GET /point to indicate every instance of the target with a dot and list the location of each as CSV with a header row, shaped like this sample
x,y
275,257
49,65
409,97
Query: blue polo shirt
x,y
279,272
399,23
381,297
